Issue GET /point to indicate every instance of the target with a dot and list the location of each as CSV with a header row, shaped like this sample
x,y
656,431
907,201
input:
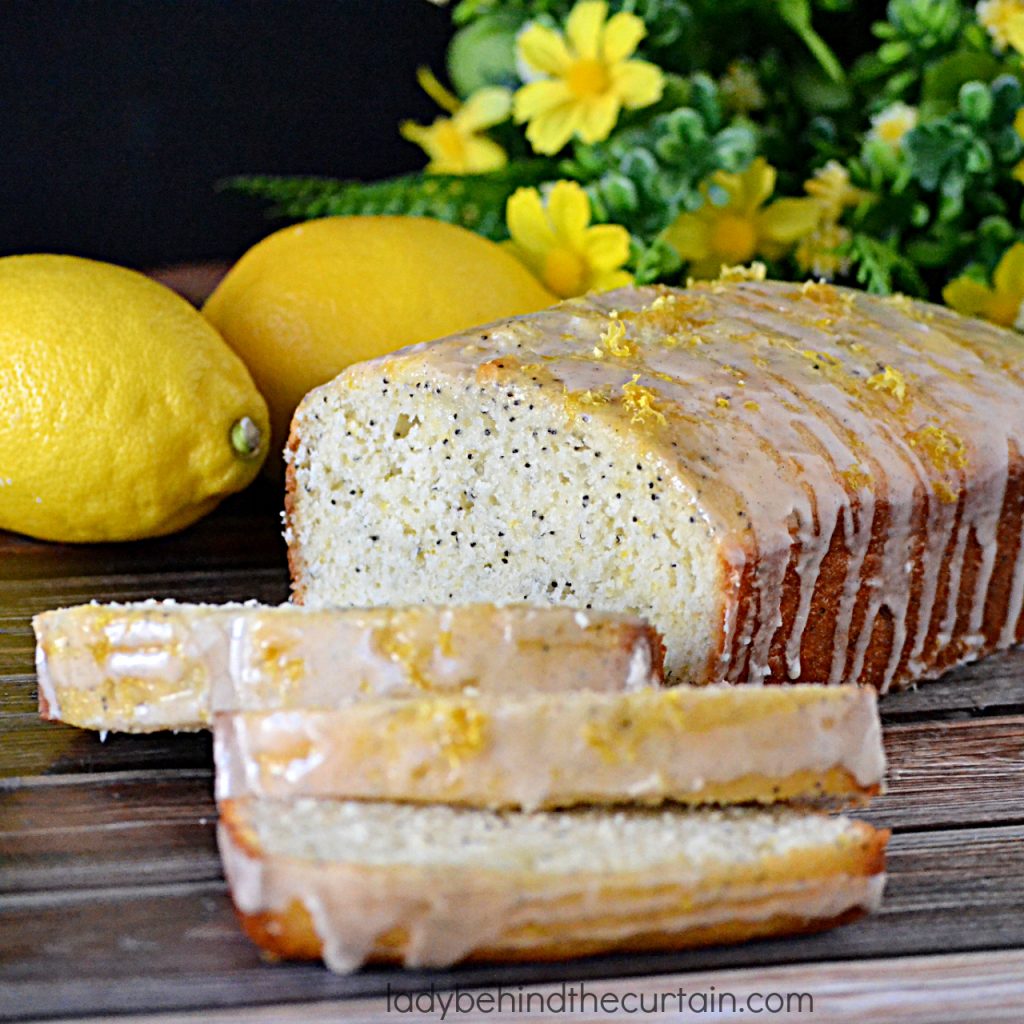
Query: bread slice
x,y
694,745
429,886
161,665
790,482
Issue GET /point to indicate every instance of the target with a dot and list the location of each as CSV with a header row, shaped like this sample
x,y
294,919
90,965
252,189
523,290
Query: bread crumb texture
x,y
563,842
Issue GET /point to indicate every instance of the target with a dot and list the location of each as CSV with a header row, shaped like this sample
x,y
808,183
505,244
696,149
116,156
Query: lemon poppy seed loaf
x,y
790,482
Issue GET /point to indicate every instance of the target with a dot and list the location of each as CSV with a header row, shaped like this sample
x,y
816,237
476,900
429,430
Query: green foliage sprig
x,y
476,201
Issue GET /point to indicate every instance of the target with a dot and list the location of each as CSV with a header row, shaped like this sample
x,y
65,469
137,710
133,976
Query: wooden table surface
x,y
111,895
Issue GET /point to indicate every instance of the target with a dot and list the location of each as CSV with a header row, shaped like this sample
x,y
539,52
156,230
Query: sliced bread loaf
x,y
791,483
161,665
429,886
694,745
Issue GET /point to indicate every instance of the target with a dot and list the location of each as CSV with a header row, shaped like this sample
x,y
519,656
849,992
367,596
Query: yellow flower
x,y
1004,20
557,243
586,76
890,125
1001,303
454,144
742,227
1018,127
818,253
831,187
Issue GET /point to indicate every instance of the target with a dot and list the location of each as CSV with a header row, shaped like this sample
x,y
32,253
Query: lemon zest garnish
x,y
947,495
641,402
821,357
614,342
891,380
899,300
457,730
590,397
944,450
755,271
856,476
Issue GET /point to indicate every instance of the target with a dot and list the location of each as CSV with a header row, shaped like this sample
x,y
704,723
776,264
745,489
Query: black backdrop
x,y
117,116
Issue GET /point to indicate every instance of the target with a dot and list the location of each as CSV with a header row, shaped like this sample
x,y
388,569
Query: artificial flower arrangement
x,y
660,140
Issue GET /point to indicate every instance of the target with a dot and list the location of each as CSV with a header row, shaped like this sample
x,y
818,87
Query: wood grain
x,y
994,685
952,773
115,829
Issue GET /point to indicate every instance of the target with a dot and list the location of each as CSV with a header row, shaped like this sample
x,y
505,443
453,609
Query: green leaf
x,y
483,53
942,79
975,103
931,252
476,202
937,151
894,52
797,14
880,268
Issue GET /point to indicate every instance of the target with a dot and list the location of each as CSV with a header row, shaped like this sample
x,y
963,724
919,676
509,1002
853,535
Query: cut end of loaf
x,y
407,485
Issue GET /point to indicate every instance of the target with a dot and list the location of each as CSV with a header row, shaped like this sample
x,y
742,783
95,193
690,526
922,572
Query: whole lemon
x,y
310,299
122,412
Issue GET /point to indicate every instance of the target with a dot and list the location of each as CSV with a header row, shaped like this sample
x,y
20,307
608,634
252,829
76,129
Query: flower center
x,y
588,77
892,131
564,272
734,238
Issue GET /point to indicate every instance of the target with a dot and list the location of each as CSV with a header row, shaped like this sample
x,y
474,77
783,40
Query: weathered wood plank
x,y
18,694
952,773
971,988
994,685
30,747
118,829
177,946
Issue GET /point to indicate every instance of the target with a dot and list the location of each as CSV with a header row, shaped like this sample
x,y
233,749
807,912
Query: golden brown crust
x,y
818,642
290,935
294,555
